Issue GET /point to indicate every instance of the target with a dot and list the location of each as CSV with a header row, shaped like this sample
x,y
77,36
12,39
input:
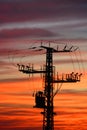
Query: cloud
x,y
52,19
69,61
12,79
36,10
74,91
15,105
45,24
24,33
18,117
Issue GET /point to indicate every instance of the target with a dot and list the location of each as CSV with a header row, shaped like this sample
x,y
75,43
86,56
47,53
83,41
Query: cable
x,y
81,61
78,62
58,88
72,61
10,58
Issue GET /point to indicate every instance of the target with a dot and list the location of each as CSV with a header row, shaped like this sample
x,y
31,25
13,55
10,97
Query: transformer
x,y
39,99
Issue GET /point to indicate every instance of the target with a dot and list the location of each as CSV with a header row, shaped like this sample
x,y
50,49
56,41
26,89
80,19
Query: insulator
x,y
71,47
65,47
28,67
18,66
22,67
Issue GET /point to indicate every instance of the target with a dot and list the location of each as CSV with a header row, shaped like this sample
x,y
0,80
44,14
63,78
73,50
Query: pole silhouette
x,y
44,99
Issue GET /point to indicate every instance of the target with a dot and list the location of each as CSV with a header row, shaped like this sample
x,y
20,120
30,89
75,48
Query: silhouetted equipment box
x,y
39,100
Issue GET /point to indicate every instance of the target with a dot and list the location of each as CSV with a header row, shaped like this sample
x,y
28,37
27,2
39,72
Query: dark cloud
x,y
15,125
73,91
22,33
65,113
4,52
48,12
70,61
12,79
15,112
27,10
17,117
15,105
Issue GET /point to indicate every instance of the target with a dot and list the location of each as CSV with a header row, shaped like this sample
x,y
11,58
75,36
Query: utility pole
x,y
44,99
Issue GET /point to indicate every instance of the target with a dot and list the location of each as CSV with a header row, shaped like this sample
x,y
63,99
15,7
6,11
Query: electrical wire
x,y
58,88
81,61
71,57
78,62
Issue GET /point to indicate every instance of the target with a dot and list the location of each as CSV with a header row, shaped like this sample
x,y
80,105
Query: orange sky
x,y
17,112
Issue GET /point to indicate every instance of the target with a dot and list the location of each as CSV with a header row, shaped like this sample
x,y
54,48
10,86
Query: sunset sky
x,y
25,24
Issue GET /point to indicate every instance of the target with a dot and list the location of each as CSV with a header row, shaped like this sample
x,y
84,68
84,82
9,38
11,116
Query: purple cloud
x,y
33,10
24,33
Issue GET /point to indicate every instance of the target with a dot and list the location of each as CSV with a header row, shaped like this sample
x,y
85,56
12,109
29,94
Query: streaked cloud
x,y
56,17
33,10
45,24
24,33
